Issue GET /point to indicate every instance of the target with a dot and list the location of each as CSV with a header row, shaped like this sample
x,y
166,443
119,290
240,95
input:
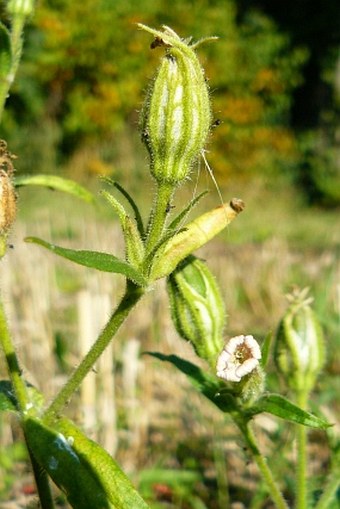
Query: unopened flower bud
x,y
299,347
176,117
197,308
20,7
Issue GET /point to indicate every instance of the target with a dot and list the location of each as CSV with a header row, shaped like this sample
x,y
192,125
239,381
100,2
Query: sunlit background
x,y
274,78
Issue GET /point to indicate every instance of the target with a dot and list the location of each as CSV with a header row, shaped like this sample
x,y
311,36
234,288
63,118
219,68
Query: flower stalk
x,y
158,216
23,403
302,456
300,355
13,366
261,462
330,488
19,10
132,295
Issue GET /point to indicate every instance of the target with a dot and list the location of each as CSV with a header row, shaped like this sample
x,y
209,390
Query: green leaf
x,y
55,182
5,52
117,206
138,217
134,247
206,384
171,477
265,349
86,473
131,201
281,407
94,259
8,400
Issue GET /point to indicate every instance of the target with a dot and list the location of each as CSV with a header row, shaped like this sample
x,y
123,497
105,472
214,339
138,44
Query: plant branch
x,y
329,491
13,367
16,49
261,462
21,396
159,215
301,437
132,295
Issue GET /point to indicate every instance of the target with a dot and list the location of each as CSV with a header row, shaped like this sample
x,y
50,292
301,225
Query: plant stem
x,y
13,367
332,485
221,475
16,46
22,402
132,295
261,462
159,214
301,437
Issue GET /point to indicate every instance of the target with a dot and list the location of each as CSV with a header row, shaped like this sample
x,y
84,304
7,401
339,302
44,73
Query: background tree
x,y
271,82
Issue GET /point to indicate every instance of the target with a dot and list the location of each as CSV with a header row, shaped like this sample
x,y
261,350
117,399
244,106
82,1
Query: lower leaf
x,y
207,385
281,407
84,471
94,259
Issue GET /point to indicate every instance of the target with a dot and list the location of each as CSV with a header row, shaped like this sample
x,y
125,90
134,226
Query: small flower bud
x,y
176,116
299,347
197,308
20,7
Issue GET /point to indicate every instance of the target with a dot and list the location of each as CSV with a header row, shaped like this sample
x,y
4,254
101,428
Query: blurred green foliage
x,y
10,457
86,67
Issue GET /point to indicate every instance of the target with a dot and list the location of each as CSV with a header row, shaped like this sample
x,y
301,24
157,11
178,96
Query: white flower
x,y
239,357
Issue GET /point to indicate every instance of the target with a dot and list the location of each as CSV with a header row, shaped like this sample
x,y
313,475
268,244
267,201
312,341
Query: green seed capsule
x,y
197,308
299,347
176,116
20,7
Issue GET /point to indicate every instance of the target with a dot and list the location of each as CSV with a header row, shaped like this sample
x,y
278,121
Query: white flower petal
x,y
229,374
253,345
222,360
247,367
229,364
233,343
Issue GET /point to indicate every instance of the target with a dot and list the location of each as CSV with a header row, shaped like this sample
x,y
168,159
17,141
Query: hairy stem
x,y
301,437
16,46
330,489
13,367
159,215
132,295
261,462
21,396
